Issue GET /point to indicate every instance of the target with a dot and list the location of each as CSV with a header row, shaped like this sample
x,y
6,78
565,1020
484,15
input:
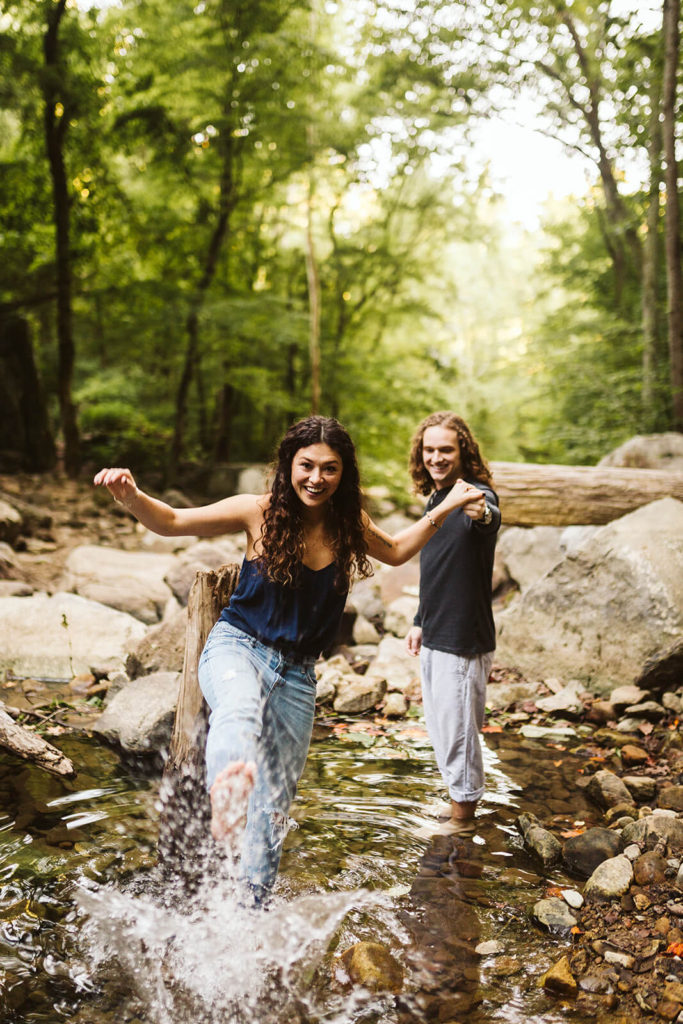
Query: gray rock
x,y
611,879
395,705
364,632
622,696
539,840
61,636
399,615
574,537
607,789
161,649
140,716
10,523
555,915
601,613
567,699
393,664
573,898
653,827
131,581
500,695
358,694
529,552
583,853
650,710
648,451
641,787
365,599
545,732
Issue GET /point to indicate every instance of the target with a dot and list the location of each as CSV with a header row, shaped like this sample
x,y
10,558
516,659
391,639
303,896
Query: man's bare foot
x,y
229,799
463,811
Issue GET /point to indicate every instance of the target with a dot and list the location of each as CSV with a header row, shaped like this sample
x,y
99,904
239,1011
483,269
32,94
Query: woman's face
x,y
316,474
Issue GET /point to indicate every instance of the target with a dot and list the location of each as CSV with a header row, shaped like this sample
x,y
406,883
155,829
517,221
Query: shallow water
x,y
90,933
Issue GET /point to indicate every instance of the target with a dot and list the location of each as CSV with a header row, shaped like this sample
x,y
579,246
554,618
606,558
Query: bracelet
x,y
436,526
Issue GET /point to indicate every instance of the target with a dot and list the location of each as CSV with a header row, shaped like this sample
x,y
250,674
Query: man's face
x,y
441,456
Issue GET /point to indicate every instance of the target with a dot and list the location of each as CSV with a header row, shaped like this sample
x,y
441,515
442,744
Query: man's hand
x,y
414,640
475,509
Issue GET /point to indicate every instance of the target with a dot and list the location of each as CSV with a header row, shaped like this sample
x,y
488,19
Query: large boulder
x,y
63,635
202,555
398,669
161,649
132,581
608,608
648,451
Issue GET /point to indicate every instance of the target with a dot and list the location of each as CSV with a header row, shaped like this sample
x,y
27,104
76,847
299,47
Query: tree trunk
x,y
185,845
649,317
674,277
32,747
226,203
544,495
56,119
314,312
26,442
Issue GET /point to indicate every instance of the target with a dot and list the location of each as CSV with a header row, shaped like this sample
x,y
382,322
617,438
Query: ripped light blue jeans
x,y
262,708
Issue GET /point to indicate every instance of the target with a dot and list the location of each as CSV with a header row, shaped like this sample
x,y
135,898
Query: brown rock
x,y
632,755
649,869
668,1009
671,798
370,964
559,979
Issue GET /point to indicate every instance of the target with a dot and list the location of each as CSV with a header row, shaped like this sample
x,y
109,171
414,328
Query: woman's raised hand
x,y
119,482
461,494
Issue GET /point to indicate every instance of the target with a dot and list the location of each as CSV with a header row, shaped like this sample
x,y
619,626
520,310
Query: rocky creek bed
x,y
599,810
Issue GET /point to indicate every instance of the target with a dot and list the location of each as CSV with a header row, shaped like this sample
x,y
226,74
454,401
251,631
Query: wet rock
x,y
610,879
74,634
601,712
607,789
370,964
653,827
140,717
543,732
492,947
538,839
619,811
582,854
641,787
649,869
559,979
554,915
631,756
613,954
130,581
671,798
596,983
573,898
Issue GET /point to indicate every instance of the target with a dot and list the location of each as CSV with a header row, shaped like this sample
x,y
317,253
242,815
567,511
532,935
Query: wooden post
x,y
184,829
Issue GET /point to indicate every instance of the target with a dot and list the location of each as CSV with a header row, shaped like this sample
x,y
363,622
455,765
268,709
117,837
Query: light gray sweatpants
x,y
454,697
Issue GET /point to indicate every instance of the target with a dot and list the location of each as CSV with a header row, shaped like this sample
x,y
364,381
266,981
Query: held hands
x,y
119,483
464,495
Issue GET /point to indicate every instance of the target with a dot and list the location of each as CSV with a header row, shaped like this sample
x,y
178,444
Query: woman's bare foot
x,y
229,799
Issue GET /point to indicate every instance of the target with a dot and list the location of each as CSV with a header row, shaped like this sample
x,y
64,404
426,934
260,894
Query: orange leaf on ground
x,y
414,732
576,930
571,832
491,728
676,948
554,890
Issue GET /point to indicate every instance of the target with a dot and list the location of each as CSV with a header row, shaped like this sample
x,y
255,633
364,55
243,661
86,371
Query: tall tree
x,y
671,33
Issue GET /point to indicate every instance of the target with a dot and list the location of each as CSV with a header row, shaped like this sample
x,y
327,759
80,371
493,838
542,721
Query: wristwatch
x,y
487,516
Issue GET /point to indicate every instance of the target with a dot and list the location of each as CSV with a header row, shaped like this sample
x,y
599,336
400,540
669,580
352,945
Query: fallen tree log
x,y
184,845
31,747
548,495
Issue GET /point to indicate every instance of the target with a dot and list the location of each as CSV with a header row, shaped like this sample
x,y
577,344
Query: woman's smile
x,y
316,474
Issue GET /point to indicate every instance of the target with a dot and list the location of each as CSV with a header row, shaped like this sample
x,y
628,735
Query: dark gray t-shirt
x,y
456,569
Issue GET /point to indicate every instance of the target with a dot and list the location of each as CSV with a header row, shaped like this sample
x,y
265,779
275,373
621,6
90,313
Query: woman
x,y
306,539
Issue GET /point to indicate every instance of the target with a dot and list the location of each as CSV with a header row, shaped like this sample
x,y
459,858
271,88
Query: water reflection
x,y
90,934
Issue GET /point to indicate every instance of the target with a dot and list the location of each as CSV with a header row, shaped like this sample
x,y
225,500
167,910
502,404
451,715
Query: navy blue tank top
x,y
301,620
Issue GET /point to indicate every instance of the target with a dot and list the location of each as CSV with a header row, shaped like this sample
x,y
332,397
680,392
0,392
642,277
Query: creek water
x,y
91,934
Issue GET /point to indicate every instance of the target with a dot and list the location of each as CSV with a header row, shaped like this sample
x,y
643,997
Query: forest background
x,y
218,216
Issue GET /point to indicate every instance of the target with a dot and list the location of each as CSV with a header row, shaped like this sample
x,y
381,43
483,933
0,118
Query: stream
x,y
91,934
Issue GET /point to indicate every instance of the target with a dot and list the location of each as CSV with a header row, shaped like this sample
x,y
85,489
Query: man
x,y
453,631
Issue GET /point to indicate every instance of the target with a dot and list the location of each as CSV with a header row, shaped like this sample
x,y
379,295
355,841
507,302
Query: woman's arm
x,y
397,550
229,515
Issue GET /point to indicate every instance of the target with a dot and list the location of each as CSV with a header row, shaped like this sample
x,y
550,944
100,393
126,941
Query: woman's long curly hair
x,y
282,533
474,467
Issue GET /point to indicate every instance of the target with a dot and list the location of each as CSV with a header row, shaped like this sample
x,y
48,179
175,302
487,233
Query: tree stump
x,y
184,846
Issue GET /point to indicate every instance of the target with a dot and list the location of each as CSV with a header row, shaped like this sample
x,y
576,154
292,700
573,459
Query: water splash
x,y
213,960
